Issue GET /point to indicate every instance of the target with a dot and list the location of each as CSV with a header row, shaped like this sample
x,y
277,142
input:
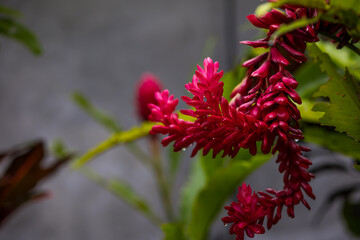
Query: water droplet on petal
x,y
296,140
184,149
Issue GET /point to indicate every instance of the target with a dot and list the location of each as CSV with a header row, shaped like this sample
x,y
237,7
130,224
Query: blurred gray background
x,y
101,48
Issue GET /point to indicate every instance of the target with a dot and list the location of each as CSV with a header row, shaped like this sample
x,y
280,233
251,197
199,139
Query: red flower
x,y
145,94
262,108
245,214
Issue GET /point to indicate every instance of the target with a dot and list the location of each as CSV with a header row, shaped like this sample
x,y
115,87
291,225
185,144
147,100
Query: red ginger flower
x,y
221,126
245,213
262,109
268,93
145,94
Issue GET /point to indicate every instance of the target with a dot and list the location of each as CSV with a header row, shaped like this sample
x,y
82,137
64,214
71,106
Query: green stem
x,y
349,45
161,180
113,140
109,124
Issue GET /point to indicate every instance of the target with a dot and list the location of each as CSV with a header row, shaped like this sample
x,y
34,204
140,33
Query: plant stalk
x,y
160,178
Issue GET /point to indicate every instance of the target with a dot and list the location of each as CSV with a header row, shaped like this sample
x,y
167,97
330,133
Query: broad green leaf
x,y
173,231
344,58
306,112
332,140
213,195
12,29
351,214
210,164
343,110
115,139
190,190
303,22
310,78
123,191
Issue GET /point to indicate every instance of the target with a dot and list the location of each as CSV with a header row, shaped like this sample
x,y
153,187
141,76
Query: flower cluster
x,y
262,108
218,125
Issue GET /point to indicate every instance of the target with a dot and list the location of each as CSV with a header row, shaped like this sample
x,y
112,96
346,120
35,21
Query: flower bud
x,y
148,85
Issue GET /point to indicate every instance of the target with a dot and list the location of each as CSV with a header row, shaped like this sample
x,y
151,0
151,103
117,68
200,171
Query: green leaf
x,y
173,231
262,9
108,123
303,22
123,191
351,213
306,112
213,195
352,5
310,78
266,7
191,189
85,104
115,139
13,29
344,58
343,110
210,164
332,140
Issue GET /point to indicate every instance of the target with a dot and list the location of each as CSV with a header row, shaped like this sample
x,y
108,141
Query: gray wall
x,y
101,48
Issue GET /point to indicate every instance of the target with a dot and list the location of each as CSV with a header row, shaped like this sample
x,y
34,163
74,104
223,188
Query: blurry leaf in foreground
x,y
352,5
299,23
12,29
22,174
